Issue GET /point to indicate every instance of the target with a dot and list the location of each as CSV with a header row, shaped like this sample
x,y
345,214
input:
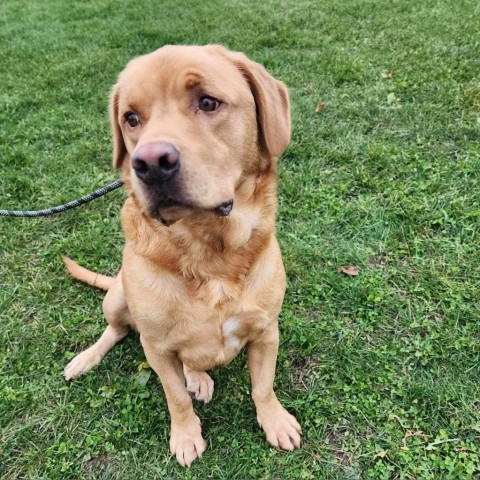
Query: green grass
x,y
386,177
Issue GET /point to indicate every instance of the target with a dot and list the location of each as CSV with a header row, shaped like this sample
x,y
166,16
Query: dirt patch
x,y
380,259
305,370
99,464
344,459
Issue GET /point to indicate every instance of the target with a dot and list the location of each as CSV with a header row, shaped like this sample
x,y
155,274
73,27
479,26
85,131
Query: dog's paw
x,y
82,363
200,384
187,443
281,428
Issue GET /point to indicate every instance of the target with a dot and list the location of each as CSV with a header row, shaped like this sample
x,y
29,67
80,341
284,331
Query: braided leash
x,y
62,208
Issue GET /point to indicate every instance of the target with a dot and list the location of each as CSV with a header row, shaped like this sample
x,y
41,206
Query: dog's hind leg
x,y
119,320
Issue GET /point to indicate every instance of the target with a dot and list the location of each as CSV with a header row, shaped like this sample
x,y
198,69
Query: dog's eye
x,y
208,104
132,119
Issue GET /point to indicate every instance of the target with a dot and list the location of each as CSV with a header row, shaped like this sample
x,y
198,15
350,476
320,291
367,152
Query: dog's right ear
x,y
119,148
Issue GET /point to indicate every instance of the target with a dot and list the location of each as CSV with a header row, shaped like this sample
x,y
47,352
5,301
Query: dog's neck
x,y
200,244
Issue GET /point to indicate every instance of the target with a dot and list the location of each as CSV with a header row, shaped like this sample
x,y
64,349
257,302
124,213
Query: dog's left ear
x,y
273,105
119,148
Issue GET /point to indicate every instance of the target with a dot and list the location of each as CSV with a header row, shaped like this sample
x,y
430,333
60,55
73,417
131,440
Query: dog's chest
x,y
215,292
217,340
220,321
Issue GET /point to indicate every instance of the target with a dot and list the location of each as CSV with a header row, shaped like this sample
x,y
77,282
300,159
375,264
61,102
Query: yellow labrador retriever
x,y
197,132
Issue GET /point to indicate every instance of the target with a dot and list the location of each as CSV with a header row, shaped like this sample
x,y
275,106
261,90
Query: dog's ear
x,y
272,102
119,148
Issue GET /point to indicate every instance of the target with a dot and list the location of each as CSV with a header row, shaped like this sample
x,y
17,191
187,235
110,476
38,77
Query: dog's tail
x,y
80,273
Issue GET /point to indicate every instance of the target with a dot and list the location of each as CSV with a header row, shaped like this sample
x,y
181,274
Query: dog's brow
x,y
192,79
130,101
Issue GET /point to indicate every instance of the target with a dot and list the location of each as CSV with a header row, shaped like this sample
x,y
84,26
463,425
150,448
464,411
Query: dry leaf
x,y
408,434
349,270
143,366
392,416
320,106
381,454
387,75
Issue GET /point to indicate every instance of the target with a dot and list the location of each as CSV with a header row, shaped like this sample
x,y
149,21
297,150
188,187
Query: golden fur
x,y
199,285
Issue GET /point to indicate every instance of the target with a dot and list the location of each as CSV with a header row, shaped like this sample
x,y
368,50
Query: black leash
x,y
62,208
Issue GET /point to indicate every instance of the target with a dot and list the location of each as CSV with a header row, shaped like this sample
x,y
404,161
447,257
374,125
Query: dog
x,y
197,132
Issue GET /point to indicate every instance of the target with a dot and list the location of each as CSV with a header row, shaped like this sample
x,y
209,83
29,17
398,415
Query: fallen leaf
x,y
349,270
432,446
381,454
320,106
391,98
408,434
142,377
143,365
387,75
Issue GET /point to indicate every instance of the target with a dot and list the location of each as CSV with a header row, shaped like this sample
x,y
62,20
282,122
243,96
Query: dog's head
x,y
189,123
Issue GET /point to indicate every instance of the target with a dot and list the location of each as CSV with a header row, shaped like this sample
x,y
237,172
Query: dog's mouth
x,y
169,212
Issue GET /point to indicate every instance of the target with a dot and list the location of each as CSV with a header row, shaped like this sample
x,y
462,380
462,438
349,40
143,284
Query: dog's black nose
x,y
156,162
225,208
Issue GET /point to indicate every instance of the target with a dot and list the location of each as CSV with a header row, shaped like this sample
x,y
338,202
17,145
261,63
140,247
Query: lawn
x,y
381,369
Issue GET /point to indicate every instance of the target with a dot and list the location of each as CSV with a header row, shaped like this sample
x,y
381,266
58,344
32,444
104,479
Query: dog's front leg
x,y
186,441
281,428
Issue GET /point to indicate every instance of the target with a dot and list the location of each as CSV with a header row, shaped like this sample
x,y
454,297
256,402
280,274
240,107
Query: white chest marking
x,y
229,328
